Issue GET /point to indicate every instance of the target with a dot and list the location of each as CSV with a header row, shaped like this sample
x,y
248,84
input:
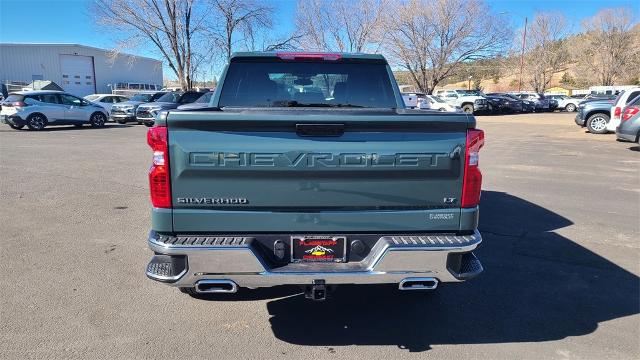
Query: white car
x,y
620,102
470,101
437,103
37,109
106,100
565,102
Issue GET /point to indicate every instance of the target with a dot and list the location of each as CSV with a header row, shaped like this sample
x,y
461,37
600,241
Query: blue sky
x,y
70,21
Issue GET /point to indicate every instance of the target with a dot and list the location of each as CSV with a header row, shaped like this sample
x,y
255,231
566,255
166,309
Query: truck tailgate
x,y
261,172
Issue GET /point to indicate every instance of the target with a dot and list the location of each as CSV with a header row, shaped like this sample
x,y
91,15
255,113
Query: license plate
x,y
318,248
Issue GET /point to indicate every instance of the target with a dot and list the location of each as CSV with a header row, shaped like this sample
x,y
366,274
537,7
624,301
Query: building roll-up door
x,y
77,74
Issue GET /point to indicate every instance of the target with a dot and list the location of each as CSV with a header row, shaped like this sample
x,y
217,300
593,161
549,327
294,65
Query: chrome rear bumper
x,y
445,257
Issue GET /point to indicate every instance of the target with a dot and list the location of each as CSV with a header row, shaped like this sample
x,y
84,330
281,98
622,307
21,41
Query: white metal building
x,y
78,69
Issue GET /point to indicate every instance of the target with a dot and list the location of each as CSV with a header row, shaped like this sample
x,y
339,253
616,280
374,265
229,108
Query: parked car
x,y
106,100
503,104
629,128
201,103
437,103
146,113
600,96
38,109
523,105
471,101
274,191
624,98
541,103
126,111
411,99
565,102
594,115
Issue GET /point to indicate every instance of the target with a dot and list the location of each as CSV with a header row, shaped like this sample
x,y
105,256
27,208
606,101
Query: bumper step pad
x,y
167,268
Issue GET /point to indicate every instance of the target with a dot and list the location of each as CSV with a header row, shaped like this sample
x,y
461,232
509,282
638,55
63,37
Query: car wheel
x,y
570,107
597,123
442,109
97,120
468,108
36,122
17,127
122,122
78,125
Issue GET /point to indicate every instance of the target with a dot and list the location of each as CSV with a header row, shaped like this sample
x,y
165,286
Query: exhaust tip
x,y
216,286
418,284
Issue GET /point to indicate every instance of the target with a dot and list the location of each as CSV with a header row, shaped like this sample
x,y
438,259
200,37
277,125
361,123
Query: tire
x,y
16,127
77,125
148,124
36,121
597,123
121,121
442,109
570,107
467,108
139,122
97,120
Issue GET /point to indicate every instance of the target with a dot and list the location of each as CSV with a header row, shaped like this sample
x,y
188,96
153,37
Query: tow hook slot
x,y
317,291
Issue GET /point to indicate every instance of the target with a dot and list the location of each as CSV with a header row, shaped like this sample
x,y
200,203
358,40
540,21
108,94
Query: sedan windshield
x,y
141,97
471,92
170,97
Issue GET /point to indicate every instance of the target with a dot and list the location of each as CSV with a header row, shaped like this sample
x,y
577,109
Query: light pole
x,y
524,41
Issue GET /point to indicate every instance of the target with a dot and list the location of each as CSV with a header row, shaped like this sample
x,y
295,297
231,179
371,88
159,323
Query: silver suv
x,y
37,109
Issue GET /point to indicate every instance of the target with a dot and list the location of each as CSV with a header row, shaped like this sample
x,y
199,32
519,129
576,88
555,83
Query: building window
x,y
78,82
89,83
77,76
65,76
88,77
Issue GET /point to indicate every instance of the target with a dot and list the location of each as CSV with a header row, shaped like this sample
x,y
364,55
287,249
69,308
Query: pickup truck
x,y
306,169
470,101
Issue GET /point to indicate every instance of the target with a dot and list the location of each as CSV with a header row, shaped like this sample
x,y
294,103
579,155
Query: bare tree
x,y
240,23
546,52
431,39
170,25
340,25
609,45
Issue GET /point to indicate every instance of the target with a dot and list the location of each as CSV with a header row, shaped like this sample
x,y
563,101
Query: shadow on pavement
x,y
54,128
537,286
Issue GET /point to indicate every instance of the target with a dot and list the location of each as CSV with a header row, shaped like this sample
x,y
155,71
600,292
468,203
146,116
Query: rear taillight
x,y
472,184
616,112
15,103
630,112
159,177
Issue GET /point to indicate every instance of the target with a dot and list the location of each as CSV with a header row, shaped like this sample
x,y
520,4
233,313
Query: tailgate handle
x,y
320,129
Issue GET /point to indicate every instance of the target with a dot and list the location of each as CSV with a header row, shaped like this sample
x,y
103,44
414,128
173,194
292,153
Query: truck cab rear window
x,y
307,84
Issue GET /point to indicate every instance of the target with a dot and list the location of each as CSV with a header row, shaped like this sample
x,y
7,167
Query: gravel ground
x,y
560,220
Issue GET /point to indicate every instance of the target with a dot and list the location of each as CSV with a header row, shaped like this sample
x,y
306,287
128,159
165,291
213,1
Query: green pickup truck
x,y
306,169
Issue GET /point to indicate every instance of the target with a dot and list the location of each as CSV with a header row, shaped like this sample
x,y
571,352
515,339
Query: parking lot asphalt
x,y
560,220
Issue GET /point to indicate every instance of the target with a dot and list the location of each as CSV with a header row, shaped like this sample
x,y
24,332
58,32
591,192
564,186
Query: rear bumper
x,y
12,120
445,257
